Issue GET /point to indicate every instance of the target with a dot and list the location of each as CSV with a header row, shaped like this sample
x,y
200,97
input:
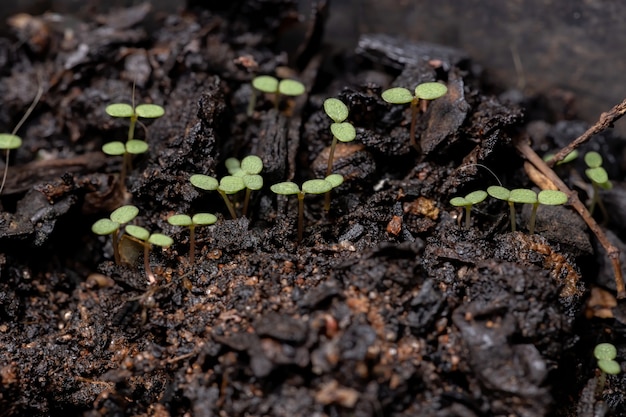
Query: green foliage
x,y
551,197
599,180
148,239
335,180
110,226
499,192
271,85
523,195
397,95
336,109
430,91
231,184
568,158
291,87
132,147
316,186
606,353
468,201
265,83
343,131
204,182
9,141
199,219
285,188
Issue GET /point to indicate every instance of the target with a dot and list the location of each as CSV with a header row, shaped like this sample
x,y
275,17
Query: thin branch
x,y
612,251
606,121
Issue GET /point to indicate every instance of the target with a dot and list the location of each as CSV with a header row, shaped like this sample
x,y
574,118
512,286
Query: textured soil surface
x,y
388,306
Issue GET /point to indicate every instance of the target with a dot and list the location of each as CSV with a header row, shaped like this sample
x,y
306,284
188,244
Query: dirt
x,y
389,306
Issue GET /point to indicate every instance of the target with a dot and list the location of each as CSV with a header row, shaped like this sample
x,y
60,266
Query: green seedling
x,y
148,239
316,186
599,180
132,147
468,201
568,158
248,169
229,184
129,111
199,219
424,93
111,226
271,85
605,354
501,193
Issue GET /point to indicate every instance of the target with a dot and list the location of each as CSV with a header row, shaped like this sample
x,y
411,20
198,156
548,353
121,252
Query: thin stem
x,y
116,250
246,201
192,244
512,215
533,216
124,172
300,216
6,171
131,127
414,111
229,204
331,156
468,210
251,104
146,263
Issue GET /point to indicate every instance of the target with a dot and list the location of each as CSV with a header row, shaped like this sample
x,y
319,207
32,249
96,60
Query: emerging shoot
x,y
200,219
340,129
271,85
599,180
132,147
147,240
111,226
605,354
248,169
8,142
468,201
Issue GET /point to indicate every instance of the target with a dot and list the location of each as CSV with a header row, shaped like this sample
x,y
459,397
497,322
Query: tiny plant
x,y
599,180
199,219
129,111
112,225
468,201
271,85
132,147
315,186
605,354
148,239
424,93
502,193
208,183
248,169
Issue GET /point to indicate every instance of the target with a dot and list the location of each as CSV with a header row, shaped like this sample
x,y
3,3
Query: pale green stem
x,y
512,215
229,204
533,217
192,244
300,216
146,263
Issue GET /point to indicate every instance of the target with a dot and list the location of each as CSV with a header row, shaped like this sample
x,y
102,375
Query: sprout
x,y
148,239
605,354
8,142
110,226
315,186
340,129
208,183
423,93
132,147
127,111
468,201
199,219
271,85
599,180
248,169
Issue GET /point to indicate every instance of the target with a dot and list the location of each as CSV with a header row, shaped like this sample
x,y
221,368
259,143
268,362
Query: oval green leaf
x,y
204,219
119,110
335,180
265,83
124,214
597,175
114,148
180,220
285,188
291,87
552,197
231,184
316,186
397,95
593,159
204,182
459,202
499,192
104,227
568,158
430,91
232,165
344,132
9,141
149,111
336,109
253,182
138,232
160,239
605,351
252,164
476,197
609,366
523,195
135,146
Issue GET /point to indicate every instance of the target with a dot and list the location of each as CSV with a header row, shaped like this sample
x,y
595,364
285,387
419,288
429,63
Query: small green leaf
x,y
232,165
609,366
344,131
149,111
597,175
138,232
114,148
499,192
204,182
180,220
476,197
552,197
336,109
135,146
124,214
119,110
291,87
8,141
204,219
231,184
335,180
160,239
523,195
253,182
593,159
605,351
459,202
104,227
316,186
285,188
568,158
607,185
430,91
252,164
397,95
265,83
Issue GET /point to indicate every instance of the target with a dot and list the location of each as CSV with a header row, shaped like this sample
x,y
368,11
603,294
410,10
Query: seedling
x,y
605,354
424,93
132,147
468,201
316,186
111,226
599,180
129,111
200,219
248,169
148,239
208,183
271,85
501,193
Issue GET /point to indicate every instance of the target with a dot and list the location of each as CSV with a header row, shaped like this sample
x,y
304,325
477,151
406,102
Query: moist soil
x,y
388,306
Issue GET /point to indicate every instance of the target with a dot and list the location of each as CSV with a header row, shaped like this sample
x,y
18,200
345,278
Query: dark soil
x,y
388,307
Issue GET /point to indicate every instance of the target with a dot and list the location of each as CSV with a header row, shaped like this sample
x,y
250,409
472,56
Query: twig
x,y
606,120
612,251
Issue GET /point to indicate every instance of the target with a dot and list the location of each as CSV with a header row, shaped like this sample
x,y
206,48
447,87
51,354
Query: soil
x,y
389,306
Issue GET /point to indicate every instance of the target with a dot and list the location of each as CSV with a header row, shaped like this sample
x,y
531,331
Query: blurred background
x,y
576,48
